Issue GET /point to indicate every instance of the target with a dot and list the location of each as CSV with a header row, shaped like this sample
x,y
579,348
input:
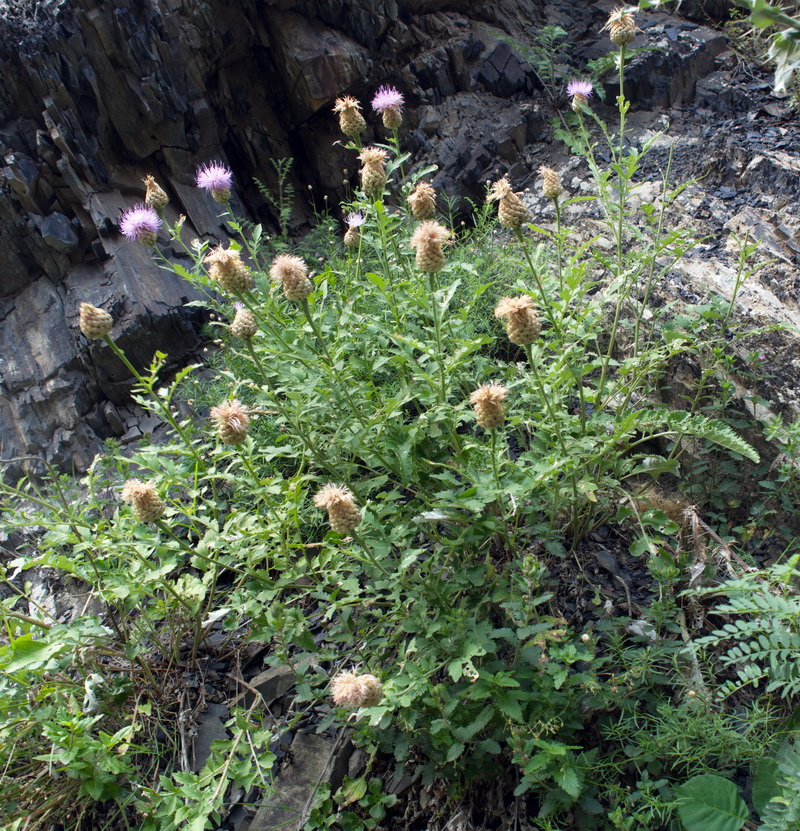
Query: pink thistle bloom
x,y
387,98
577,87
355,220
216,179
140,223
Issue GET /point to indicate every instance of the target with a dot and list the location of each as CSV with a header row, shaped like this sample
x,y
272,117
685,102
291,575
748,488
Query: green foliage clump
x,y
383,493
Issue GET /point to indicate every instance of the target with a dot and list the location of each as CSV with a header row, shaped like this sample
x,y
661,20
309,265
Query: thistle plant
x,y
371,530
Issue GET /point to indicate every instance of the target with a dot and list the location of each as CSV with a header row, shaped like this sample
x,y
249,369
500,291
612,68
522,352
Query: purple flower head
x,y
577,87
355,220
385,98
216,179
140,223
238,305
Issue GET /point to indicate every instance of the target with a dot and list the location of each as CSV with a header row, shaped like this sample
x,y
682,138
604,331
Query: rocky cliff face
x,y
98,93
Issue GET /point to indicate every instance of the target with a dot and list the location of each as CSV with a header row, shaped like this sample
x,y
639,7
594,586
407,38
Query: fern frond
x,y
782,812
709,429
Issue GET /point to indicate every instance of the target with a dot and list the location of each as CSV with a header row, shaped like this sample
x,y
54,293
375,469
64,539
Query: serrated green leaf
x,y
454,751
569,780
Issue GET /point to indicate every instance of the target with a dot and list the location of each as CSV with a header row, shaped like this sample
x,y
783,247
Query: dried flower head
x,y
423,201
487,401
343,513
231,421
580,92
94,322
144,500
225,267
244,324
373,172
140,223
511,210
389,103
292,273
428,239
621,26
352,236
216,179
551,184
522,324
351,122
354,691
155,196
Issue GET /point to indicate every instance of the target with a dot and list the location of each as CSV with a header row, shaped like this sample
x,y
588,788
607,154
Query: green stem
x,y
370,556
543,298
437,326
621,179
298,429
559,245
556,425
249,465
649,285
159,403
342,385
494,463
194,553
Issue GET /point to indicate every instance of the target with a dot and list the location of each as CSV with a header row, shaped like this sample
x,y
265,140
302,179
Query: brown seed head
x,y
351,122
373,172
551,184
423,201
225,267
511,210
522,324
343,513
144,500
428,239
94,322
292,273
579,101
154,196
354,691
392,117
244,324
487,402
352,236
231,421
621,27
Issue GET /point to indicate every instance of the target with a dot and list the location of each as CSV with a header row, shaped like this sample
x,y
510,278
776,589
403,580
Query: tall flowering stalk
x,y
428,239
96,323
487,402
553,189
621,27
